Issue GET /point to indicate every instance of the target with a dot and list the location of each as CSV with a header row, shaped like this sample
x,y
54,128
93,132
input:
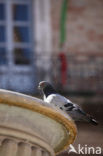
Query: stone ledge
x,y
30,119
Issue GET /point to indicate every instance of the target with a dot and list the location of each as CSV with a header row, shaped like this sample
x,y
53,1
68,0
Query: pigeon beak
x,y
39,87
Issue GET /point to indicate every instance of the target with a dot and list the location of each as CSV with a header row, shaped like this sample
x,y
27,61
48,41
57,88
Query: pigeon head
x,y
43,84
46,87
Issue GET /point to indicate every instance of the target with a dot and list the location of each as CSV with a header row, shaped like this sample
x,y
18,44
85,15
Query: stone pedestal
x,y
29,127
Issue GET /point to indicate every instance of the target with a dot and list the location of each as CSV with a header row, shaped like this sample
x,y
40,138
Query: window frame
x,y
9,24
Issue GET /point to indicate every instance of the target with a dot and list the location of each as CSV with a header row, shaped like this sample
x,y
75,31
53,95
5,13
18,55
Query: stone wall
x,y
84,26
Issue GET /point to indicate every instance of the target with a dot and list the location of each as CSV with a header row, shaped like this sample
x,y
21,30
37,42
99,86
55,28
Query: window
x,y
15,32
22,56
2,11
2,33
21,34
20,12
3,58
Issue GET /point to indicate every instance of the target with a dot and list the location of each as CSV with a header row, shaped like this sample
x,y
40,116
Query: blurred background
x,y
60,41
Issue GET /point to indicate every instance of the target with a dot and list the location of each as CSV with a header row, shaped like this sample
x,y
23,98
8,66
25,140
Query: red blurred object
x,y
63,68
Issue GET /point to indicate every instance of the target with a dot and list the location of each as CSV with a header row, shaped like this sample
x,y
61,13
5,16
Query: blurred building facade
x,y
30,45
24,35
83,47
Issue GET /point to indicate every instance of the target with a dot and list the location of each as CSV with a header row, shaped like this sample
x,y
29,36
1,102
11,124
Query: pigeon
x,y
53,98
